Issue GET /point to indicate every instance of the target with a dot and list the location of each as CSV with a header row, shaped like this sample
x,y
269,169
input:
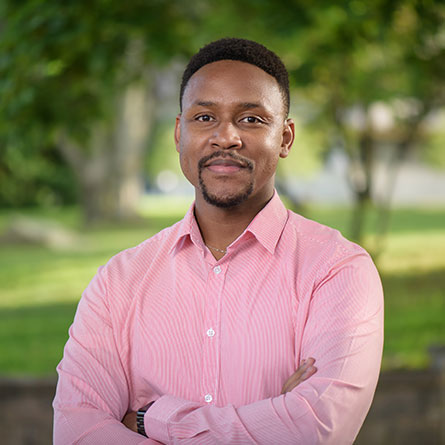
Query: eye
x,y
251,120
204,118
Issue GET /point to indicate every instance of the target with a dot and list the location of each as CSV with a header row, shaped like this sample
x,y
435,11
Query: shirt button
x,y
217,270
208,398
210,332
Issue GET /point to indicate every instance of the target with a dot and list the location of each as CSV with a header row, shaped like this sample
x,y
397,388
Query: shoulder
x,y
136,260
322,248
340,271
313,234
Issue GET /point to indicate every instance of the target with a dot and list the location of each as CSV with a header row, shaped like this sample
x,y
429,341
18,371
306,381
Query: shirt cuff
x,y
158,416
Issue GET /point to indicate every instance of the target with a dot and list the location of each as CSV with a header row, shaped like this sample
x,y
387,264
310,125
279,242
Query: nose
x,y
226,137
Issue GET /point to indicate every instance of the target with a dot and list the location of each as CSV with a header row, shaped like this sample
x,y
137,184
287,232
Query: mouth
x,y
224,165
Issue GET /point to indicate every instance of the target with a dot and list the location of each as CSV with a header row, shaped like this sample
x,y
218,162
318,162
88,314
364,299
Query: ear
x,y
287,138
177,131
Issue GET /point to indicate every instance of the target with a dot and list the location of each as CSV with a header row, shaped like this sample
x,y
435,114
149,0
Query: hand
x,y
305,370
129,421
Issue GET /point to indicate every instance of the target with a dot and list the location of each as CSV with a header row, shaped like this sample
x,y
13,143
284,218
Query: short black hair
x,y
244,51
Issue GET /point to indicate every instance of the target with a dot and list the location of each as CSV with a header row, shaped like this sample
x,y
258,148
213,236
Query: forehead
x,y
232,81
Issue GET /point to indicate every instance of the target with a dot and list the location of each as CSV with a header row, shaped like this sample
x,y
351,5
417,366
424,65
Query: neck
x,y
221,226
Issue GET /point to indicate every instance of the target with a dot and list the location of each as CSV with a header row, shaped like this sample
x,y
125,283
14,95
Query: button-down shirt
x,y
214,341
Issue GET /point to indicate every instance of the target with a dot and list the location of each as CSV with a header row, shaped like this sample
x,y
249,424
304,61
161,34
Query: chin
x,y
226,200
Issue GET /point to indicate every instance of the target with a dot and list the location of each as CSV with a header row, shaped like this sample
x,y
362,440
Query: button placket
x,y
210,361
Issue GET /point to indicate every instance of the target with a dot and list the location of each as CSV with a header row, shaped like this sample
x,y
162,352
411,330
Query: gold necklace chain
x,y
218,250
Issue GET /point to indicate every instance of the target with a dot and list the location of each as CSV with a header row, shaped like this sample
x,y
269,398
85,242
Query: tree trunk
x,y
136,115
360,176
400,152
109,167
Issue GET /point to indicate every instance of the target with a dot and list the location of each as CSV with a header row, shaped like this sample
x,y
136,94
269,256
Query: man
x,y
209,330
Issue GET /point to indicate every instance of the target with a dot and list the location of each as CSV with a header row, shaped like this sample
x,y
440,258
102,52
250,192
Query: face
x,y
231,133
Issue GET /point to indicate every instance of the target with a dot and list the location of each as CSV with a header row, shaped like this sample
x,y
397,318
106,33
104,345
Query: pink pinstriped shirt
x,y
213,341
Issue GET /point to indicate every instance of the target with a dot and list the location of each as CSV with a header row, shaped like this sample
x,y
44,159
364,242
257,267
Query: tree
x,y
350,61
78,76
377,57
72,74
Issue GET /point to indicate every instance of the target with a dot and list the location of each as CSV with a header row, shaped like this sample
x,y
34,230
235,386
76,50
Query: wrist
x,y
140,419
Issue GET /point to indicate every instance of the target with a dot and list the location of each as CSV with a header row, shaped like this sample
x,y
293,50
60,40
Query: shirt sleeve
x,y
341,324
92,393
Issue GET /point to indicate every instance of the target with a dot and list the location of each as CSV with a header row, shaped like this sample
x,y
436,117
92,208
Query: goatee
x,y
229,200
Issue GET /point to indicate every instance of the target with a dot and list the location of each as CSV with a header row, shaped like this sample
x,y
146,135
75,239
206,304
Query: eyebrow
x,y
249,105
244,105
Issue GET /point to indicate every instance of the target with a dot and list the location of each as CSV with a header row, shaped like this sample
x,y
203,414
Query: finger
x,y
295,376
305,364
130,421
308,373
295,381
309,362
305,371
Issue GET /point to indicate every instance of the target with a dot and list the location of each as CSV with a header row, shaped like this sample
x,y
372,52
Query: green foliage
x,y
163,155
62,65
32,177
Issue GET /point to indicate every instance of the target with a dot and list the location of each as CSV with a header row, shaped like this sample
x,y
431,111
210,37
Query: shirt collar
x,y
266,227
188,229
268,224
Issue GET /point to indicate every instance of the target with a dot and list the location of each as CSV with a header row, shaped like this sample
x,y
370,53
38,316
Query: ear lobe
x,y
287,138
177,131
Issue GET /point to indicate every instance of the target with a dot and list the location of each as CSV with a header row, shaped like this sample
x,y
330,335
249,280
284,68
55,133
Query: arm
x,y
306,370
343,321
92,394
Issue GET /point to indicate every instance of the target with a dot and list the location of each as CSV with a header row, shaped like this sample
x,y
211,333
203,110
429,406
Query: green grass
x,y
414,316
40,287
32,337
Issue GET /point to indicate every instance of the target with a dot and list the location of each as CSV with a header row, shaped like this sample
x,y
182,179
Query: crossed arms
x,y
93,396
305,370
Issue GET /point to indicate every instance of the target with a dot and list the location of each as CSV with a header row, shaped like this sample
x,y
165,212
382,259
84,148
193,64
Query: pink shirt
x,y
214,341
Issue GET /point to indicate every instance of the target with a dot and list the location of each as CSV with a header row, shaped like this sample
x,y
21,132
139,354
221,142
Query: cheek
x,y
271,166
184,160
189,165
271,153
267,164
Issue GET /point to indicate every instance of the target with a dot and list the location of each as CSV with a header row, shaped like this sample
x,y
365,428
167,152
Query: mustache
x,y
225,154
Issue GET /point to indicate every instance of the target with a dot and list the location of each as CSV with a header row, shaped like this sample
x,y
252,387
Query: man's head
x,y
233,125
244,51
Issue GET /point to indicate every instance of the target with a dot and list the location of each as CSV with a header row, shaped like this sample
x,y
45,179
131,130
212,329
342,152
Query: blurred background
x,y
88,97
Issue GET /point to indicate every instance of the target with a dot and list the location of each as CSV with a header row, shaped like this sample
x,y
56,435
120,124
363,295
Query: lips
x,y
224,162
224,166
